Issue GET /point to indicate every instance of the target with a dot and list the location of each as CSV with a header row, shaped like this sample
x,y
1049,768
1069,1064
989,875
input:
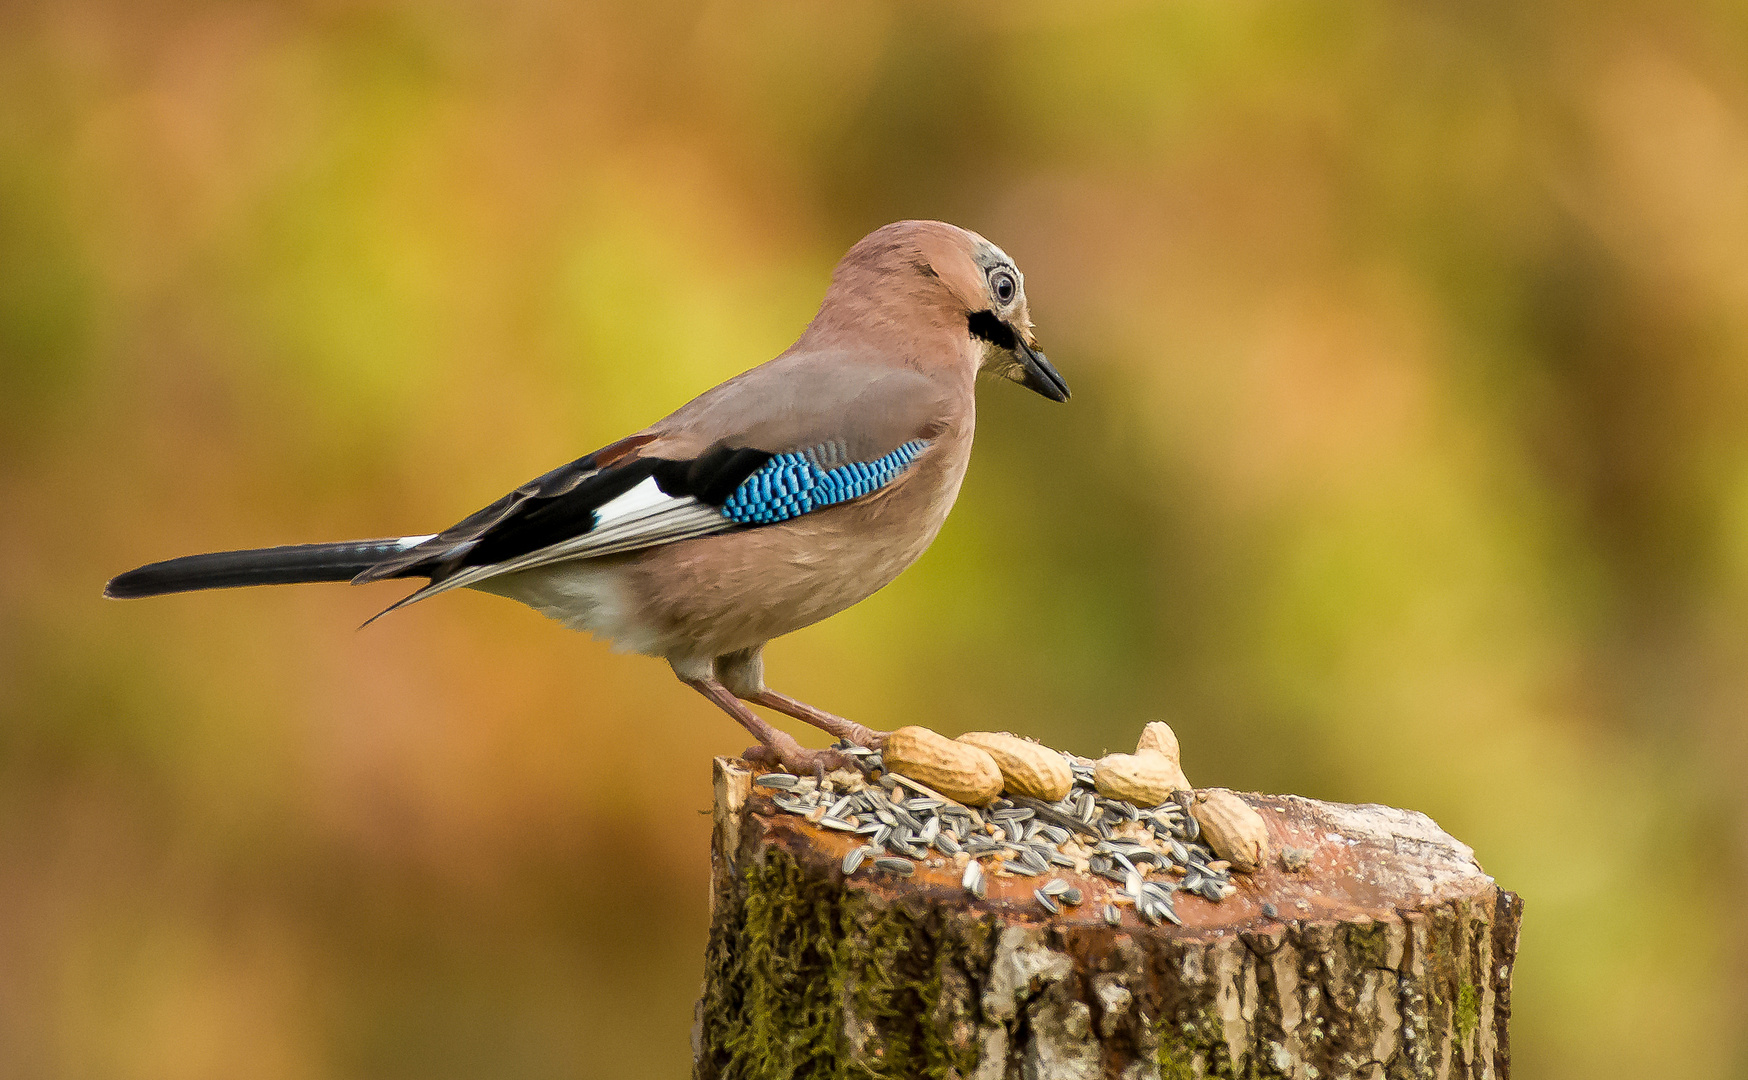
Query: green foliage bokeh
x,y
1407,463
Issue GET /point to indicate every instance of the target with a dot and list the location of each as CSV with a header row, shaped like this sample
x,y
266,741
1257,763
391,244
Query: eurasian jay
x,y
782,496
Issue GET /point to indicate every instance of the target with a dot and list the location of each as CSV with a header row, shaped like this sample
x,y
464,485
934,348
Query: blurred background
x,y
1407,462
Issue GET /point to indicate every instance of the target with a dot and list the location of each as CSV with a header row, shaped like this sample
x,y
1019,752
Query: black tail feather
x,y
258,566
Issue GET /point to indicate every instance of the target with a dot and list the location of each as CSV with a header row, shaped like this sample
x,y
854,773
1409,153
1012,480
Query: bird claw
x,y
800,761
865,737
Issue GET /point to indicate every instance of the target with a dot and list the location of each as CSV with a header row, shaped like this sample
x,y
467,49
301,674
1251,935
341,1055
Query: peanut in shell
x,y
1146,779
1027,768
957,770
1159,736
1235,831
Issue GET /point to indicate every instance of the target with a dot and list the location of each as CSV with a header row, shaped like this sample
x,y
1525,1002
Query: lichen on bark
x,y
807,980
812,975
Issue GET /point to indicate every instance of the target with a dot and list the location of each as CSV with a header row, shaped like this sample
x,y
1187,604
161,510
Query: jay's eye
x,y
1003,285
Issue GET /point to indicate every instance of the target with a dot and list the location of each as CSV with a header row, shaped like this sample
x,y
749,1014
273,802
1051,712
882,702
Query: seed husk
x,y
902,822
973,880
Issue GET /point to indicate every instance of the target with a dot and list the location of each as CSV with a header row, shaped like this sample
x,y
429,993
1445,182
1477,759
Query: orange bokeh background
x,y
1407,463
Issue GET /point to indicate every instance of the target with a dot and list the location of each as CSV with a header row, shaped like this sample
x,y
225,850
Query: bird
x,y
772,501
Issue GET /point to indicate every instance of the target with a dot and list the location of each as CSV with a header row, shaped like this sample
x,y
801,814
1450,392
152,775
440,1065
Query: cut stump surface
x,y
1386,952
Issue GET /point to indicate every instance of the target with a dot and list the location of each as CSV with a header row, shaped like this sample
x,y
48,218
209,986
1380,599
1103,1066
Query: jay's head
x,y
934,275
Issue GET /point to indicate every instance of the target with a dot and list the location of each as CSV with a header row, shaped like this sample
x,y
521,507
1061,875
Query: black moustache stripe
x,y
985,326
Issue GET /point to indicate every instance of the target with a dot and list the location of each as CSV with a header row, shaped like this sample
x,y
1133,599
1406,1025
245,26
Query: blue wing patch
x,y
792,484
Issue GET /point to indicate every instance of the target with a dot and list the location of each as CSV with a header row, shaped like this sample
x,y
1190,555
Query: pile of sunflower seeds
x,y
1148,854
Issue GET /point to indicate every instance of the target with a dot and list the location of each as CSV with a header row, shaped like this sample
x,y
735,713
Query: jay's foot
x,y
775,746
829,723
798,759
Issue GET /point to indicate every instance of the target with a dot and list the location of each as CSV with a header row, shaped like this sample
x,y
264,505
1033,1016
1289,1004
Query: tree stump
x,y
1384,952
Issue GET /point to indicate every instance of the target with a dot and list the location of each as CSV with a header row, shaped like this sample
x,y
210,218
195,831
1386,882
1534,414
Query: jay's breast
x,y
722,593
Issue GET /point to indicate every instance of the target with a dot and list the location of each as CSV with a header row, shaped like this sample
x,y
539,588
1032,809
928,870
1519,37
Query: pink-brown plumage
x,y
720,594
636,543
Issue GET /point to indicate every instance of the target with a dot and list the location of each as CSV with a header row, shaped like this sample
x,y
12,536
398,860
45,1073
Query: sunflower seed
x,y
853,860
1044,899
972,881
909,821
1113,917
1055,833
901,867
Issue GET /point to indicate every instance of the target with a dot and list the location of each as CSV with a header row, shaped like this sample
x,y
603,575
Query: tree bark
x,y
1385,953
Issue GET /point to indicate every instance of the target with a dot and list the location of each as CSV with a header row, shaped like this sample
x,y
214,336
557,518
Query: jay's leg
x,y
775,747
819,718
743,673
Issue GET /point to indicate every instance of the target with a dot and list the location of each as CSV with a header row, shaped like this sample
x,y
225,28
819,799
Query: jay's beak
x,y
1038,374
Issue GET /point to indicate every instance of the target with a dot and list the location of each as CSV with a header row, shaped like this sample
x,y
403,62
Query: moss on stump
x,y
1387,956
